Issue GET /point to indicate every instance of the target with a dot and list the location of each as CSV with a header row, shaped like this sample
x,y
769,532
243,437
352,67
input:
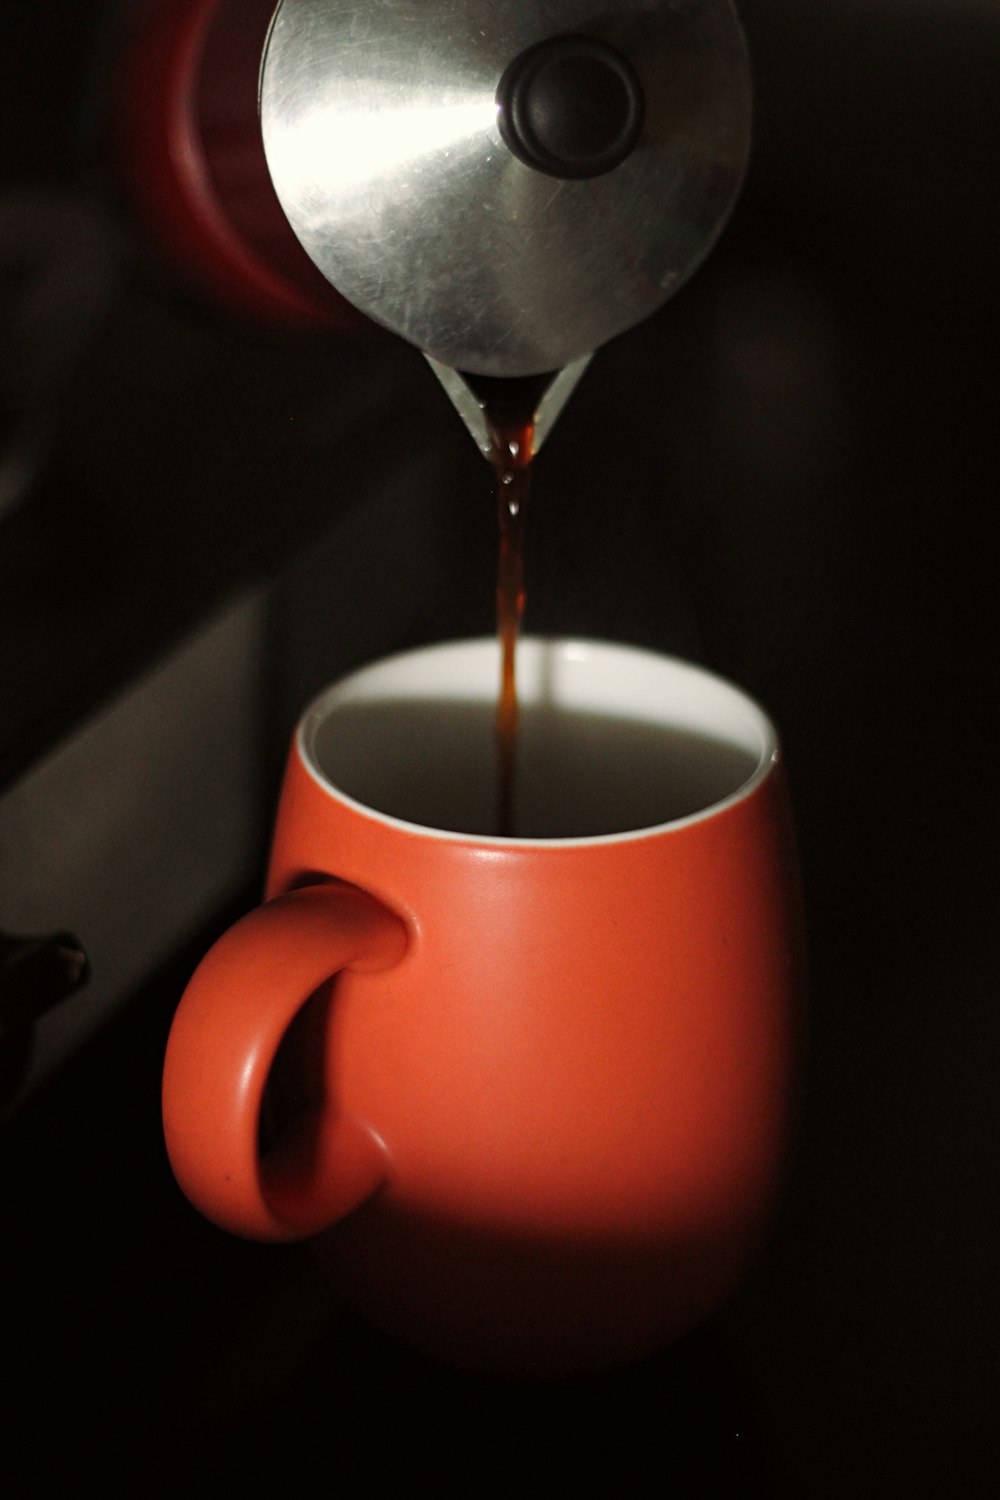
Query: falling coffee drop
x,y
509,407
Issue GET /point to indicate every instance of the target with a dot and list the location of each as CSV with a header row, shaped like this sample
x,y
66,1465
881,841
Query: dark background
x,y
789,474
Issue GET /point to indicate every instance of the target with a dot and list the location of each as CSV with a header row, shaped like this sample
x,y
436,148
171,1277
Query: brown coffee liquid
x,y
509,407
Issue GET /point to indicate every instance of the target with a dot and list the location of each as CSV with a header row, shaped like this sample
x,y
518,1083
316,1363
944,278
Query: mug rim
x,y
576,649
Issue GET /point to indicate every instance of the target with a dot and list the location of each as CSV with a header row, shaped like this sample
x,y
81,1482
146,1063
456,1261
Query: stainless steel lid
x,y
507,186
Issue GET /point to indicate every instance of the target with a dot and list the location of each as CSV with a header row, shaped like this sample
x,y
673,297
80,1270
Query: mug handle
x,y
237,1007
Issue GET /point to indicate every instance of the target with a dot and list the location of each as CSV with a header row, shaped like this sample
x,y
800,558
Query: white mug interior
x,y
613,740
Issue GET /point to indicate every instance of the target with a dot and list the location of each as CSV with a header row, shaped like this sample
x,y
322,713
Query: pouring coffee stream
x,y
509,409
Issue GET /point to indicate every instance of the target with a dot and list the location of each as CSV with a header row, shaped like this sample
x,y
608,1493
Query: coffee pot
x,y
506,187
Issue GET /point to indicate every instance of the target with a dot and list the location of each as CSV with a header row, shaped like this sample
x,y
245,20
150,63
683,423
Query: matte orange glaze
x,y
550,1116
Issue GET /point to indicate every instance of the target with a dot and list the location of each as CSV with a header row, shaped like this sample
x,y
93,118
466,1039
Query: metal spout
x,y
471,410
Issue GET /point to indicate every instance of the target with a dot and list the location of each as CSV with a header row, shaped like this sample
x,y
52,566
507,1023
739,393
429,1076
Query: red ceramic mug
x,y
530,1092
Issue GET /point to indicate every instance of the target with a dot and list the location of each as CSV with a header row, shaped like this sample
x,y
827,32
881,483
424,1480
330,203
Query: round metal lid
x,y
386,138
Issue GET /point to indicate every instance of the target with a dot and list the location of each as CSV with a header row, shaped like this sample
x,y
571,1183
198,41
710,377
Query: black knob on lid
x,y
570,106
